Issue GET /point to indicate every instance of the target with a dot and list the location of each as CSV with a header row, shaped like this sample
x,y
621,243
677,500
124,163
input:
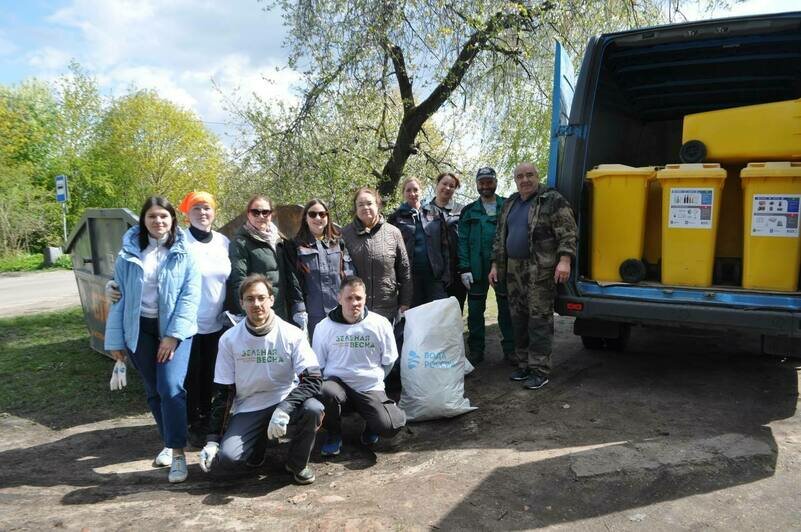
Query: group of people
x,y
319,310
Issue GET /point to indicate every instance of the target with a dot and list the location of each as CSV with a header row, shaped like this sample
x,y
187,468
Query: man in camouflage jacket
x,y
534,245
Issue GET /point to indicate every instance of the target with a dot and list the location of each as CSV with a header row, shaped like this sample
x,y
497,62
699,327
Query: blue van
x,y
626,107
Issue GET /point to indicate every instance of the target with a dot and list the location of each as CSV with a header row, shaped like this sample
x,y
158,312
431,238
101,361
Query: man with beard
x,y
476,235
268,377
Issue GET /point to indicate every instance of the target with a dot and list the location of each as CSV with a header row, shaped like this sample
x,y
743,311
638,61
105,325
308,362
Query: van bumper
x,y
695,316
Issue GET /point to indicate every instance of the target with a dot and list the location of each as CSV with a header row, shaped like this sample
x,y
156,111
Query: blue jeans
x,y
164,383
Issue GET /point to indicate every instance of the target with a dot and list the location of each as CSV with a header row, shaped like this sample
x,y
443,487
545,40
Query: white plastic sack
x,y
433,362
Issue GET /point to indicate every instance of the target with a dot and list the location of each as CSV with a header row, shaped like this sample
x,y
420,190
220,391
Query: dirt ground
x,y
680,432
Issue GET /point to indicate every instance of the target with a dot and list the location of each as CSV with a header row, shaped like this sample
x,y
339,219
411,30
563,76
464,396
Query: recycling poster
x,y
691,208
775,215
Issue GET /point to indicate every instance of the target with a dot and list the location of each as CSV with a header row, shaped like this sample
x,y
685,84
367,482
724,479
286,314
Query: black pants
x,y
382,415
457,290
199,380
247,433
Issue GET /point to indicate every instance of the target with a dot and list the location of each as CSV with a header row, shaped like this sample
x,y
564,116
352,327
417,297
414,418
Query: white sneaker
x,y
178,470
164,458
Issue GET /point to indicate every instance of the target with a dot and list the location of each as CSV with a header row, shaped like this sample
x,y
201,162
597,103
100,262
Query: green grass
x,y
51,376
24,262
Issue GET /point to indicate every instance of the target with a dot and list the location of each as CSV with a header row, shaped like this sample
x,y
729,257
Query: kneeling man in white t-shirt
x,y
356,349
268,377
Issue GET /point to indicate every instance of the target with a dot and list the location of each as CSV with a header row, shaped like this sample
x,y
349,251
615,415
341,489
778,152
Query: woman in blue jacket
x,y
155,320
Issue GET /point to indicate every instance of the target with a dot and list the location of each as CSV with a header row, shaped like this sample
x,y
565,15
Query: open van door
x,y
564,86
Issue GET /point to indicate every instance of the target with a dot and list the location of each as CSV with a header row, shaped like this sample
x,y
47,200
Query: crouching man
x,y
268,377
356,349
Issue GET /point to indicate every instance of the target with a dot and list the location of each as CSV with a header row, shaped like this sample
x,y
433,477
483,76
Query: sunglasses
x,y
261,212
315,214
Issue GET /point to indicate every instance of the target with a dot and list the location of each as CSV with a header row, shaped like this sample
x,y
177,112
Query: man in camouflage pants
x,y
534,245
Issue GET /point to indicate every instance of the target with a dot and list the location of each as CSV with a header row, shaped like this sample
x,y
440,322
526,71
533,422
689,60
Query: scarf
x,y
262,330
270,236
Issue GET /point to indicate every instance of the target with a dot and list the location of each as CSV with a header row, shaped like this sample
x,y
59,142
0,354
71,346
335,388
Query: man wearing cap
x,y
476,235
534,246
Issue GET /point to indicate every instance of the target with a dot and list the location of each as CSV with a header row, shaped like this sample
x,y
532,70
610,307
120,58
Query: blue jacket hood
x,y
130,242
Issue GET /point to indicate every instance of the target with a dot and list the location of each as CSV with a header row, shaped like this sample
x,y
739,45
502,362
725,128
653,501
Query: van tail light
x,y
575,307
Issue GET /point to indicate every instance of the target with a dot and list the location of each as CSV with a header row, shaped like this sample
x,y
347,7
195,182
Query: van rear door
x,y
564,87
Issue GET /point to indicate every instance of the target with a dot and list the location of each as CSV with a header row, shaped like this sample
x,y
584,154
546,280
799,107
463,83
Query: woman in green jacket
x,y
259,247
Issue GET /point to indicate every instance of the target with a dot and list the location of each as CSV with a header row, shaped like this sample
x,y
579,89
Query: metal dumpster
x,y
94,244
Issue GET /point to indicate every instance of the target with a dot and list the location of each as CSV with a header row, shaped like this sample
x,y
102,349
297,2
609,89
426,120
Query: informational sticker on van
x,y
775,215
691,208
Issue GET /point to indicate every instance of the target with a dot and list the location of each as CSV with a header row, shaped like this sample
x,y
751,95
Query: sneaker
x,y
304,476
369,438
520,374
164,458
332,445
535,382
178,470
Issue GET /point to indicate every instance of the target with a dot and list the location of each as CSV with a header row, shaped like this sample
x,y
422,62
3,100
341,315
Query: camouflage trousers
x,y
531,307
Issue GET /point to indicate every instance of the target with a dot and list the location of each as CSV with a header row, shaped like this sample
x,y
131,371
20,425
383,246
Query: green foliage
x,y
340,150
114,154
146,145
24,262
20,262
483,68
50,374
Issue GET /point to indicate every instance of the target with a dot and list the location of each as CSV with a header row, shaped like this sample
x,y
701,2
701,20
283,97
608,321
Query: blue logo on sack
x,y
414,360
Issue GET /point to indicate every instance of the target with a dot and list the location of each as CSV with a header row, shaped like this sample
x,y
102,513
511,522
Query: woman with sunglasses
x,y
320,260
258,247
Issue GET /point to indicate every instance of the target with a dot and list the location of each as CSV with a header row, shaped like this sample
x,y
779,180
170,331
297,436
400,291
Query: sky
x,y
195,53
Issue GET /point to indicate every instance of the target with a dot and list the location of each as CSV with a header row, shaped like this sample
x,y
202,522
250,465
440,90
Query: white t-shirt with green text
x,y
263,368
356,352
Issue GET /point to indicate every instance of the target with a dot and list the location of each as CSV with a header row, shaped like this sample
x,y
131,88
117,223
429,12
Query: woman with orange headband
x,y
210,250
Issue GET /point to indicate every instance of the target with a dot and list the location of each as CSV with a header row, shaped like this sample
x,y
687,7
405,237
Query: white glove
x,y
118,376
467,279
207,455
301,319
112,291
278,423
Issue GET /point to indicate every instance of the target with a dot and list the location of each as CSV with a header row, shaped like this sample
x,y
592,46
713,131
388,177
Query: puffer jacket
x,y
551,232
249,255
436,231
179,293
379,256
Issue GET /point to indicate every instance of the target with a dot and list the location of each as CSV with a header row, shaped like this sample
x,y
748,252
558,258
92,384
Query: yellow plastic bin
x,y
690,212
652,251
765,132
771,244
619,199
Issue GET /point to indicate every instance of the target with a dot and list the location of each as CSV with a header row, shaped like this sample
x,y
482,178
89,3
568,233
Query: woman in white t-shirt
x,y
210,250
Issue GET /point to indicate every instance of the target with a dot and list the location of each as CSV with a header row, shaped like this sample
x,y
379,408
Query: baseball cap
x,y
485,172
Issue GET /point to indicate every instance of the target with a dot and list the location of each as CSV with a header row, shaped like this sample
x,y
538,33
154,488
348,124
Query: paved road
x,y
34,292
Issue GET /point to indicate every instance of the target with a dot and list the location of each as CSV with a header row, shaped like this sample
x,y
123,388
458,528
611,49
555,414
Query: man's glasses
x,y
261,212
315,214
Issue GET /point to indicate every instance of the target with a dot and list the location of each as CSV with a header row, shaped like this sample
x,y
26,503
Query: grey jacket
x,y
379,256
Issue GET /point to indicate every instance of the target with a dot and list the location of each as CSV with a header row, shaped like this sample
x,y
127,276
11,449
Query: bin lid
x,y
614,170
772,169
692,171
